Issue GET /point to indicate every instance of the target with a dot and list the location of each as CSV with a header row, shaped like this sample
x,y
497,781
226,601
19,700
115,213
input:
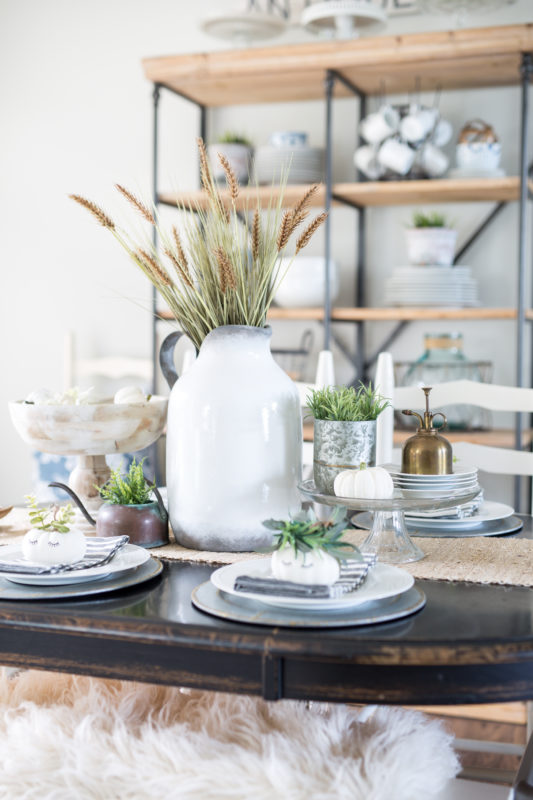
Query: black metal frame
x,y
362,364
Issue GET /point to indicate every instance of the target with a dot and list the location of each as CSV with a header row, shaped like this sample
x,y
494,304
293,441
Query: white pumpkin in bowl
x,y
312,567
309,551
367,483
52,547
51,540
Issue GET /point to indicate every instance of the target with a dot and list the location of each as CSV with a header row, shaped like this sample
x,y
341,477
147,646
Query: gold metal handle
x,y
414,414
445,419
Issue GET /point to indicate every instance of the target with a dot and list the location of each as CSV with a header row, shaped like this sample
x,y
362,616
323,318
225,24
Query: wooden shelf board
x,y
449,59
248,197
443,190
496,437
371,193
385,314
392,314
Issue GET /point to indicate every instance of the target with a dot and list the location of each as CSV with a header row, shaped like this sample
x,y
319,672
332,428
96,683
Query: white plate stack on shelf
x,y
288,155
463,479
431,286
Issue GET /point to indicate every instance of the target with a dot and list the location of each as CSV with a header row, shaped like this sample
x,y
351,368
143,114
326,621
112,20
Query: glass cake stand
x,y
388,538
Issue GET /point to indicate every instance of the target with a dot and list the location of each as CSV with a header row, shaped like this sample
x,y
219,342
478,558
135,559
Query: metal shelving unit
x,y
487,57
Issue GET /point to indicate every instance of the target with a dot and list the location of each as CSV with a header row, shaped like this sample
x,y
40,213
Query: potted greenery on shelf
x,y
344,430
430,240
237,149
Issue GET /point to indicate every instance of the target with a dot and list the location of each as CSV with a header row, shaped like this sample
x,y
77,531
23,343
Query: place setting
x,y
313,579
55,559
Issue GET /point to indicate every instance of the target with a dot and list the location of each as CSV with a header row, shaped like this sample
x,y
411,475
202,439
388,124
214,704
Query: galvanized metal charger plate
x,y
497,527
16,591
219,604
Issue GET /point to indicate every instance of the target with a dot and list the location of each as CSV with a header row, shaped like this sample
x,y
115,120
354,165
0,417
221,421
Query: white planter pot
x,y
234,443
431,246
304,285
239,157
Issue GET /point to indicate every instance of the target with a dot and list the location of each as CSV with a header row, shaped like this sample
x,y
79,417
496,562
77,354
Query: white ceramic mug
x,y
434,161
376,127
396,156
482,156
443,133
418,123
365,159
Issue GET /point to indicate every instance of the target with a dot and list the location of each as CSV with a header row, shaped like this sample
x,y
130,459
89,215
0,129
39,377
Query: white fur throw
x,y
72,738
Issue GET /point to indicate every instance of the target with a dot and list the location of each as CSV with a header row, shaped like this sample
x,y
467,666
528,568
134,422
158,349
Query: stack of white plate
x,y
433,286
300,164
461,481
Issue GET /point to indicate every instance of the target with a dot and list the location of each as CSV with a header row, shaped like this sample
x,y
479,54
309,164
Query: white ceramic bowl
x,y
483,156
304,283
99,429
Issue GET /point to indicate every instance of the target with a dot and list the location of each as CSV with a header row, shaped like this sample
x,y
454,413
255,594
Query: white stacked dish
x,y
463,479
127,560
433,286
303,164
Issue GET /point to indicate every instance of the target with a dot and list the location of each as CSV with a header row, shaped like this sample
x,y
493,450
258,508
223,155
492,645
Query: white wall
x,y
76,117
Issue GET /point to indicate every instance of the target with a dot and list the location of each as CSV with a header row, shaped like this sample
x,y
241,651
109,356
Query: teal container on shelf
x,y
443,360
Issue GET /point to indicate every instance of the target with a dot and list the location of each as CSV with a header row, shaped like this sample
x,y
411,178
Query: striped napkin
x,y
352,575
100,550
457,512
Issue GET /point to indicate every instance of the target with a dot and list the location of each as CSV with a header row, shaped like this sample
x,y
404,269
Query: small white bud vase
x,y
234,443
313,567
53,547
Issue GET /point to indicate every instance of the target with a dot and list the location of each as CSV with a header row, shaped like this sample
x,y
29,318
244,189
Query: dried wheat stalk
x,y
309,231
152,266
285,230
95,210
136,203
225,271
184,275
231,180
256,234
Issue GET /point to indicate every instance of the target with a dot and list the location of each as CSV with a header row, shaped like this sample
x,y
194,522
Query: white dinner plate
x,y
488,512
458,470
381,582
418,494
129,557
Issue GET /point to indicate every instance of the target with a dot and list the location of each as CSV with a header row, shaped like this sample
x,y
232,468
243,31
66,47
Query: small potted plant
x,y
344,430
129,508
51,539
237,150
430,240
308,551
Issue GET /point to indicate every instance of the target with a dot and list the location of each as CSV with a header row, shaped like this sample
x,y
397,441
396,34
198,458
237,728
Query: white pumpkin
x,y
130,394
53,547
309,567
368,483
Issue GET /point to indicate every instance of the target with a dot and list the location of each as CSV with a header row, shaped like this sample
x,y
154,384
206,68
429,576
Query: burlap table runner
x,y
489,559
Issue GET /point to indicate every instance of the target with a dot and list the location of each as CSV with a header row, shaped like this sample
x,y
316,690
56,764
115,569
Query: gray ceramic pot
x,y
341,445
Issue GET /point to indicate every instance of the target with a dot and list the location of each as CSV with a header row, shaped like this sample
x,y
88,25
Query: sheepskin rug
x,y
75,738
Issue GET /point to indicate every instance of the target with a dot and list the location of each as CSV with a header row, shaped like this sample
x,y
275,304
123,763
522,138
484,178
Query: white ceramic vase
x,y
234,443
431,246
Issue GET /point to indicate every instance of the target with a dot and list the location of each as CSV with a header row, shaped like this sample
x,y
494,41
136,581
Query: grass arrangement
x,y
54,518
309,534
346,404
131,489
216,271
230,137
432,220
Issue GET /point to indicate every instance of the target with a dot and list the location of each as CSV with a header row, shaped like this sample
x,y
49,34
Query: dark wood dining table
x,y
471,643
